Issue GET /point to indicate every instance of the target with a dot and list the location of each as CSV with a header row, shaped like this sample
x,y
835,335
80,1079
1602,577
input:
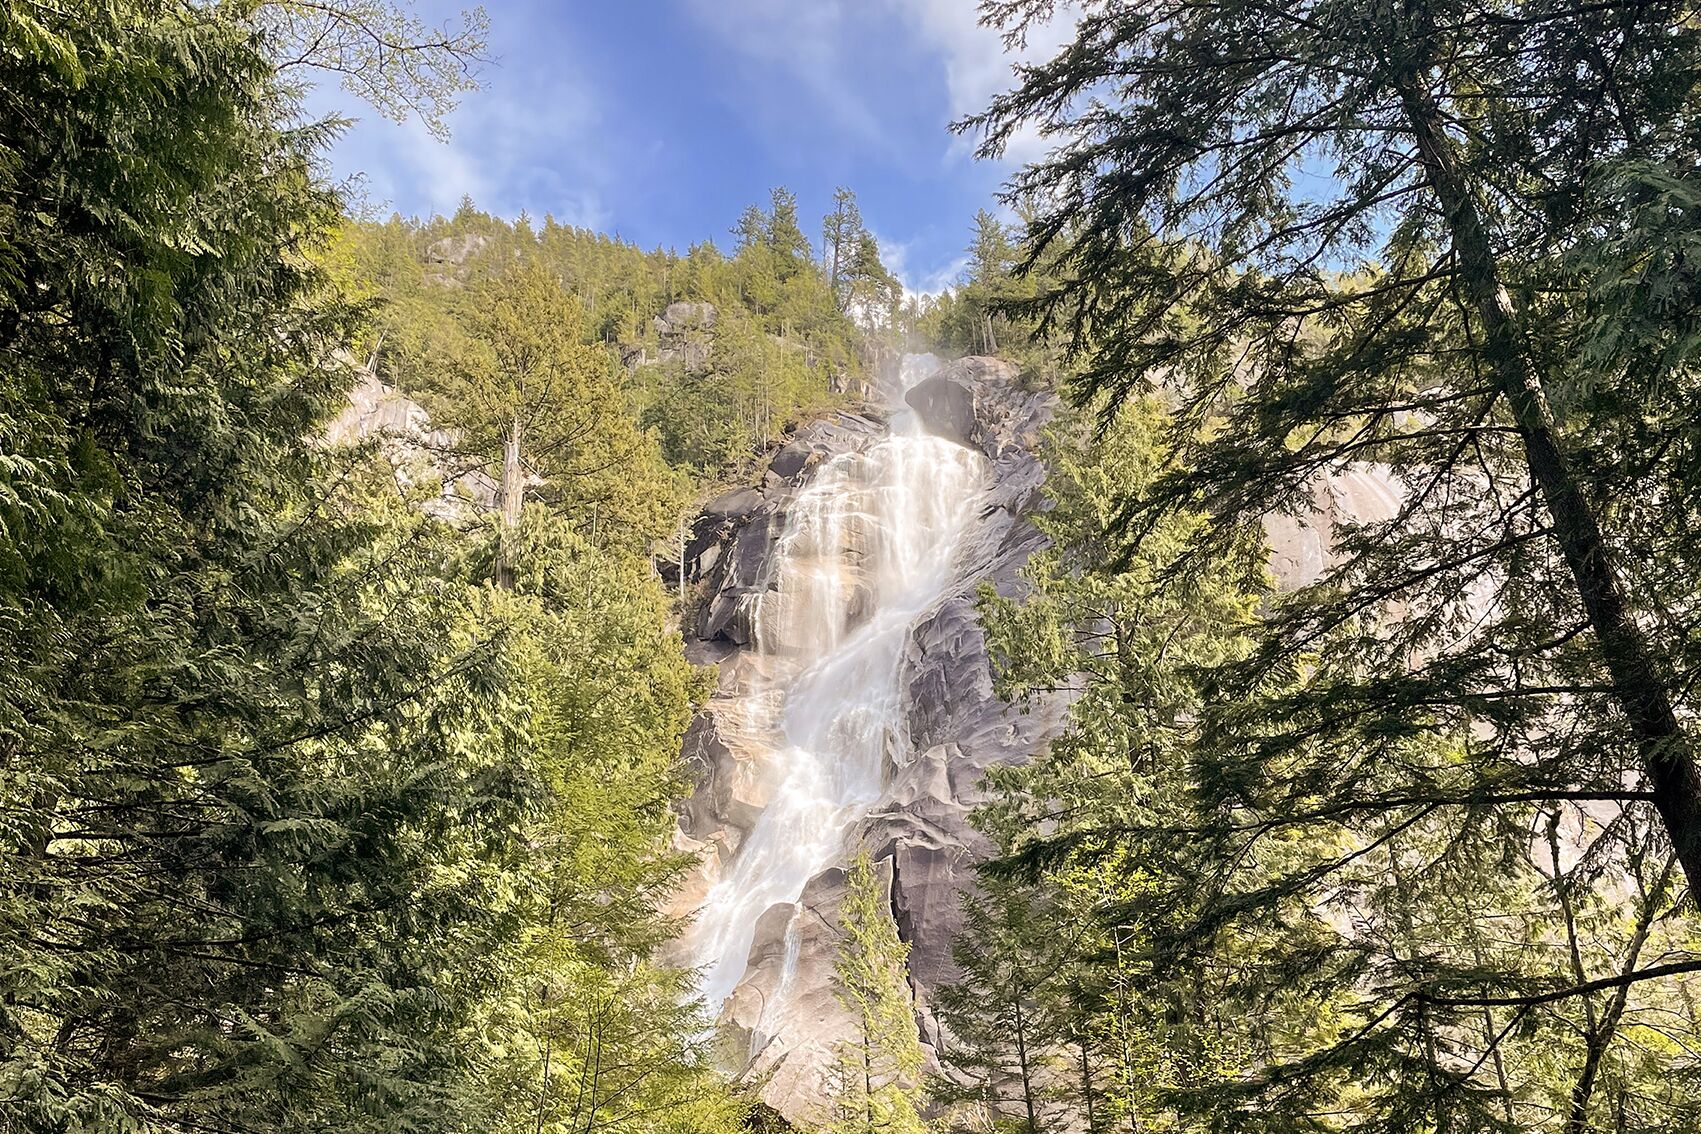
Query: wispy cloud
x,y
977,63
832,53
899,256
532,138
811,46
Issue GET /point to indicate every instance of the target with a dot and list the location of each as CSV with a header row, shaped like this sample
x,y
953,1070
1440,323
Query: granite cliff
x,y
779,1020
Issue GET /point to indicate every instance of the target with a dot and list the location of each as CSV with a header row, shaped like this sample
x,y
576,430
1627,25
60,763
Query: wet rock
x,y
732,542
782,1021
946,406
982,403
782,1025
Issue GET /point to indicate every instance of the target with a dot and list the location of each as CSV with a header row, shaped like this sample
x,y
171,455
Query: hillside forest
x,y
338,765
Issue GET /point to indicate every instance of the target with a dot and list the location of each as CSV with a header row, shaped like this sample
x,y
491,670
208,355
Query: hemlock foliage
x,y
305,826
1409,843
331,803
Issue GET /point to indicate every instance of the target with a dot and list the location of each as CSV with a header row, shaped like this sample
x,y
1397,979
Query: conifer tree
x,y
784,236
880,1063
544,407
1512,184
1005,1019
1484,300
252,790
841,231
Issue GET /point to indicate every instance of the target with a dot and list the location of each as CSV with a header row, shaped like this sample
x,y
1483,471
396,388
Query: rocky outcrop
x,y
729,552
446,260
1302,546
455,250
781,1024
418,452
686,331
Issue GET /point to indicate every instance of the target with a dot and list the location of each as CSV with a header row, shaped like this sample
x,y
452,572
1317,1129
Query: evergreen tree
x,y
1466,306
1499,351
873,291
1254,955
880,1064
294,812
841,231
253,788
1006,1018
784,236
545,408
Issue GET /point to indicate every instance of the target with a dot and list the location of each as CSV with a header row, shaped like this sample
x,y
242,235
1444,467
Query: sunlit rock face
x,y
1301,546
855,702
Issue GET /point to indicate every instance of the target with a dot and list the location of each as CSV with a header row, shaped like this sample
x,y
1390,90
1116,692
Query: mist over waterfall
x,y
867,549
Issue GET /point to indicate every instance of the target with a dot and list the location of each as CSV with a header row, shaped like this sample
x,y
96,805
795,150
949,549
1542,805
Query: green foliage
x,y
225,902
715,391
1238,955
302,827
1004,1056
527,375
587,1032
380,52
1397,853
879,1068
982,313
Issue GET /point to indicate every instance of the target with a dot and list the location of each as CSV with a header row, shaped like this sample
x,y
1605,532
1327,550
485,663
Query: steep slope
x,y
855,701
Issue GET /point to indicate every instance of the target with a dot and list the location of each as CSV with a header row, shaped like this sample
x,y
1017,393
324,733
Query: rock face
x,y
419,452
686,331
455,250
954,728
780,1024
1301,546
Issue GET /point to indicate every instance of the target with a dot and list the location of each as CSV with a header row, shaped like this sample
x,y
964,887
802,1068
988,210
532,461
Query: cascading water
x,y
868,548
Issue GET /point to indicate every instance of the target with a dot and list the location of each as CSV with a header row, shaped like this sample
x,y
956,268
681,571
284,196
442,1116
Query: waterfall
x,y
868,547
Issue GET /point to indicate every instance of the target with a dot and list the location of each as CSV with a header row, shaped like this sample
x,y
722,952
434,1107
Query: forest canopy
x,y
342,577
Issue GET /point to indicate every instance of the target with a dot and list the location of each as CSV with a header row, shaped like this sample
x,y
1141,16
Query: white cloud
x,y
806,41
816,45
919,281
977,63
529,139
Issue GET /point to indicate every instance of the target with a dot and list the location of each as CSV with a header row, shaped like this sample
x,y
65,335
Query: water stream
x,y
869,546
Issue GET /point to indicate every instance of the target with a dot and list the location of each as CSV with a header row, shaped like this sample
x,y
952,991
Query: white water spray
x,y
868,548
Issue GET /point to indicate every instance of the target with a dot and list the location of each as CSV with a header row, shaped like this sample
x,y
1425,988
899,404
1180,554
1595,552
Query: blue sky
x,y
661,119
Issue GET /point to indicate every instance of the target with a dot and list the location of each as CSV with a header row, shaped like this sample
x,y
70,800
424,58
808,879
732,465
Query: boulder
x,y
682,317
981,403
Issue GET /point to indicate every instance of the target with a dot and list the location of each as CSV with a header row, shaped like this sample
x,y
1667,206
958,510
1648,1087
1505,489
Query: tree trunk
x,y
1603,1031
1087,1090
1641,693
1022,1059
513,495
